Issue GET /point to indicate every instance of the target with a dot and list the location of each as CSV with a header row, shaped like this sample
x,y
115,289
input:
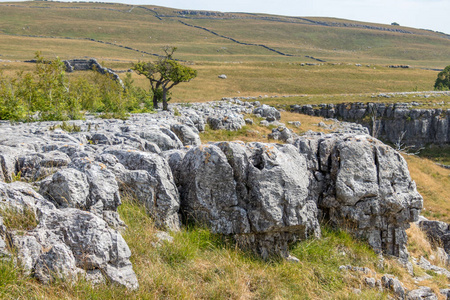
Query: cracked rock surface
x,y
264,196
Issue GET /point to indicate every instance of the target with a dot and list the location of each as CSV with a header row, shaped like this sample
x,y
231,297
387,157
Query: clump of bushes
x,y
443,80
47,93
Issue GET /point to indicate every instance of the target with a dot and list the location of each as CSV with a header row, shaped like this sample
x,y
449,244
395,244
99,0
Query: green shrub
x,y
443,80
48,93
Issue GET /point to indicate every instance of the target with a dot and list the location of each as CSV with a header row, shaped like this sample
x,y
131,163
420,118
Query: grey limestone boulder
x,y
166,202
195,117
423,293
28,251
21,196
255,192
103,187
364,186
139,184
57,263
67,188
267,111
87,185
186,135
35,166
66,242
230,121
8,162
92,243
394,285
161,136
281,133
437,232
174,158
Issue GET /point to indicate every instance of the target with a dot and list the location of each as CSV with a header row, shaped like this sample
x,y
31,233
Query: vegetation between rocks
x,y
18,219
201,265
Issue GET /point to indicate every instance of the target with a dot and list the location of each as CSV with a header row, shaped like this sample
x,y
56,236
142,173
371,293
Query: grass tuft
x,y
18,219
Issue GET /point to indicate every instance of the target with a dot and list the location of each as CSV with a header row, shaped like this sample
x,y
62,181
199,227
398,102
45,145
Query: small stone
x,y
423,293
371,282
356,291
292,259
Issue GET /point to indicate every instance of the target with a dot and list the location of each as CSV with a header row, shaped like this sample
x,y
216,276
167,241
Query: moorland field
x,y
245,47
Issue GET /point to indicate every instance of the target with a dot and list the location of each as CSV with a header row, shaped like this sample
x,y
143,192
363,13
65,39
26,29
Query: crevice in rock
x,y
377,164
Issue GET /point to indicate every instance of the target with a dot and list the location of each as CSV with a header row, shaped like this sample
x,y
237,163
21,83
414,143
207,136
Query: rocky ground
x,y
70,178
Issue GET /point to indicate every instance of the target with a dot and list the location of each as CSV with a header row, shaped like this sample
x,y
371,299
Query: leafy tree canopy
x,y
164,74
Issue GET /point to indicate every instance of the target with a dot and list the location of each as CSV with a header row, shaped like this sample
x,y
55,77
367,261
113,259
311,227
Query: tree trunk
x,y
155,101
165,106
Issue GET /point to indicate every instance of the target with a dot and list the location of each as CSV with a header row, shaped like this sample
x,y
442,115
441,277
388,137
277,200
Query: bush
x,y
443,80
48,93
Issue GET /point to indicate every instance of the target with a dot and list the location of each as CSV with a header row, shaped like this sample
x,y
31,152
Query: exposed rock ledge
x,y
265,196
399,122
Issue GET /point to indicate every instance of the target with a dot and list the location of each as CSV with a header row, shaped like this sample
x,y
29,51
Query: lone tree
x,y
443,80
164,74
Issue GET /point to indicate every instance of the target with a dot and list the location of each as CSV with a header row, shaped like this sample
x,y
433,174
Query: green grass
x,y
439,154
423,99
202,265
140,29
255,79
18,219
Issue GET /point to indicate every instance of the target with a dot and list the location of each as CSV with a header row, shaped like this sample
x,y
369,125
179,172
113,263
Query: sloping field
x,y
260,54
221,37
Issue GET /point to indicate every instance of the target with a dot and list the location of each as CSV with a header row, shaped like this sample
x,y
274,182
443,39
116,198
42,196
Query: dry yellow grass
x,y
418,244
433,183
259,133
308,122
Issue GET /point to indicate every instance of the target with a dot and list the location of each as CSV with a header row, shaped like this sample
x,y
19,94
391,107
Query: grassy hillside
x,y
149,28
245,47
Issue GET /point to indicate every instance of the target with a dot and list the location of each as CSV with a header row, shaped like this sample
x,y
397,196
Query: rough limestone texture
x,y
265,196
256,193
393,284
364,186
392,122
67,188
228,122
438,232
282,133
422,293
268,112
187,135
164,203
67,243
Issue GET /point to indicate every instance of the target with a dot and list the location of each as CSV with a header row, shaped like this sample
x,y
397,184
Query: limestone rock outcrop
x,y
165,203
256,192
364,186
268,112
396,122
437,232
264,196
67,243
